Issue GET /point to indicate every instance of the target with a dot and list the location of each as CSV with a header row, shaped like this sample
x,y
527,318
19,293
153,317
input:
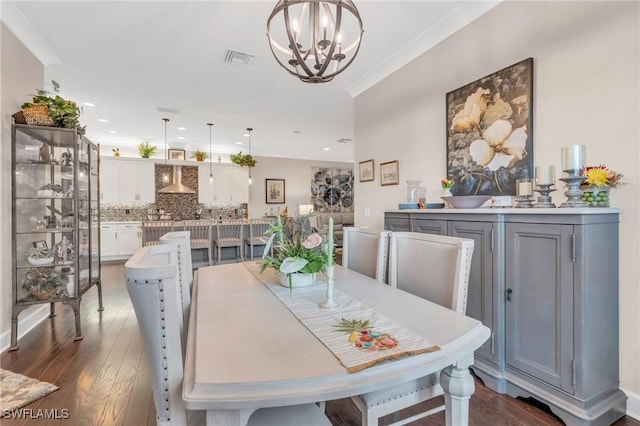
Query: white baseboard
x,y
633,404
25,324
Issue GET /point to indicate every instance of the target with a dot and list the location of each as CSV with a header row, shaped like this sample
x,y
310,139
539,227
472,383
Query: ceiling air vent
x,y
238,59
343,140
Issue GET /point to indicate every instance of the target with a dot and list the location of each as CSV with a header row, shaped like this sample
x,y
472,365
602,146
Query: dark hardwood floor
x,y
103,378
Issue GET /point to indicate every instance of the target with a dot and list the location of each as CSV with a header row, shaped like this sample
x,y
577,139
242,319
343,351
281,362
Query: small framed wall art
x,y
389,173
176,154
274,191
366,171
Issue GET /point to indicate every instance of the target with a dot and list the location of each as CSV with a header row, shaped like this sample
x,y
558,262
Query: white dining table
x,y
246,350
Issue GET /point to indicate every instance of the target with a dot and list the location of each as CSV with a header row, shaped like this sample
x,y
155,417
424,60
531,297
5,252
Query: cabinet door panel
x,y
239,184
429,226
127,182
539,314
146,178
480,294
205,187
109,181
128,242
108,240
397,222
221,184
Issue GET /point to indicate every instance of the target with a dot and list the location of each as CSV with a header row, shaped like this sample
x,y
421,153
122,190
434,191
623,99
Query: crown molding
x,y
454,21
20,26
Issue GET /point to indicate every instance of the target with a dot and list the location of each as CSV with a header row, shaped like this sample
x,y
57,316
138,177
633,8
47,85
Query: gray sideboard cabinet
x,y
546,282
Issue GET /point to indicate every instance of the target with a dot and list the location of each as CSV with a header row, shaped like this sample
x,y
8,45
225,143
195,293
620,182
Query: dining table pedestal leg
x,y
458,385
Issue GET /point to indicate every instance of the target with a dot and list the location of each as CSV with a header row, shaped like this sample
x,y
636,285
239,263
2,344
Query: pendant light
x,y
210,155
249,129
165,174
319,40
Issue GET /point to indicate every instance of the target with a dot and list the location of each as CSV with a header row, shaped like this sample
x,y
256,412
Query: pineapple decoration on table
x,y
362,335
597,183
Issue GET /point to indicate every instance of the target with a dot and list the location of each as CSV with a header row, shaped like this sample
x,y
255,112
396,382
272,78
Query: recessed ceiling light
x,y
182,128
327,149
89,104
102,120
238,143
113,131
246,135
181,138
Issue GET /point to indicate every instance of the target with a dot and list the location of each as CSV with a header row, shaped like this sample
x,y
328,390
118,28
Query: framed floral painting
x,y
489,132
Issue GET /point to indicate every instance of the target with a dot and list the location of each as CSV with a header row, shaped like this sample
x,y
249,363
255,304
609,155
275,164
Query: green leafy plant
x,y
297,249
199,155
146,150
243,160
63,112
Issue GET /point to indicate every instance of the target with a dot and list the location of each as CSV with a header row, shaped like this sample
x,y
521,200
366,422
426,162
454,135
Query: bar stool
x,y
257,233
229,234
200,235
153,230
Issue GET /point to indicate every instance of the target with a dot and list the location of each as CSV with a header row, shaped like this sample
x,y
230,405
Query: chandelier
x,y
319,39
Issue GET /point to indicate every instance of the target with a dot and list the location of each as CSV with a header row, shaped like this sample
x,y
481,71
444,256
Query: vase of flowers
x,y
298,253
447,184
598,182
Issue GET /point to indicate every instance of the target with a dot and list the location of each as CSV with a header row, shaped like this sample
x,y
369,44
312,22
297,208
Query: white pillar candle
x,y
546,175
525,188
574,157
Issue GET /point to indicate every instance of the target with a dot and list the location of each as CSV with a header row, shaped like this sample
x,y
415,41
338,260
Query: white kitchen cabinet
x,y
126,181
119,240
230,184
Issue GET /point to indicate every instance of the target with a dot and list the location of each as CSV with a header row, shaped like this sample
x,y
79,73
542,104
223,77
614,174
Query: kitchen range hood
x,y
176,186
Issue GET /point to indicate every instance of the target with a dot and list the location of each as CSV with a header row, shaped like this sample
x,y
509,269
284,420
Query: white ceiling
x,y
132,58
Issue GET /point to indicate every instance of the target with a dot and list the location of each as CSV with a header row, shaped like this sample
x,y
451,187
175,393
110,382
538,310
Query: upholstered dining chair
x,y
181,241
257,234
153,284
436,268
200,231
366,251
229,234
153,230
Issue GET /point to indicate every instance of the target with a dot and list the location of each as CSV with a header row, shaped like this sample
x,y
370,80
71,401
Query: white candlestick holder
x,y
329,303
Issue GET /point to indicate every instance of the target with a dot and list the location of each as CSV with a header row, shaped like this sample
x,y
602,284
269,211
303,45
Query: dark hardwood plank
x,y
104,379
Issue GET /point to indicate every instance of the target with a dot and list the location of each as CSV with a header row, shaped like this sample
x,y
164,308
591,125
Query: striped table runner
x,y
303,303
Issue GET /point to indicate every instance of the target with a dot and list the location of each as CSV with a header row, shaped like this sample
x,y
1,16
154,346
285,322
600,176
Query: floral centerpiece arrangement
x,y
447,183
296,250
598,181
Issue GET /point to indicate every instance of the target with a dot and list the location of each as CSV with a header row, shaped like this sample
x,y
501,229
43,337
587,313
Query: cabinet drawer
x,y
129,227
109,227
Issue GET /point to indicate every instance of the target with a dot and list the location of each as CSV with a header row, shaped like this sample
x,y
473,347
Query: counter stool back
x,y
153,230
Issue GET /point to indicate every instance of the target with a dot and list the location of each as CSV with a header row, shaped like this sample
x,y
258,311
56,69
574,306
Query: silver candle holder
x,y
544,200
573,192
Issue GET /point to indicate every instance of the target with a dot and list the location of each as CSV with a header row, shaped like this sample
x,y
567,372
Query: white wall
x,y
586,90
22,74
297,176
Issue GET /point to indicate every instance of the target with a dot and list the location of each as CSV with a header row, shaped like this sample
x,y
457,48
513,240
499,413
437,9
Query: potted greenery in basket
x,y
146,150
63,113
243,160
298,254
45,283
199,155
51,190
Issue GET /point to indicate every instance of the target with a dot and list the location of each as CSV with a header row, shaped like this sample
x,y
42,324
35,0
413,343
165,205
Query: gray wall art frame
x,y
366,171
274,191
489,132
332,189
389,173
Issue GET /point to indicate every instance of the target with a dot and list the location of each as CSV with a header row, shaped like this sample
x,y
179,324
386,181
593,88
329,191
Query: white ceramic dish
x,y
466,201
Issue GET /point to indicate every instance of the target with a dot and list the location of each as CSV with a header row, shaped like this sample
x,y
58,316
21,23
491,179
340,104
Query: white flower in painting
x,y
499,147
471,113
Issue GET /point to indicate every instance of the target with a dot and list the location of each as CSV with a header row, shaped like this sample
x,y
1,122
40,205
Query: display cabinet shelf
x,y
55,224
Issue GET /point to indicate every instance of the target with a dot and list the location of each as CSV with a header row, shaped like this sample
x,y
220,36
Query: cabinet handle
x,y
509,291
573,247
492,242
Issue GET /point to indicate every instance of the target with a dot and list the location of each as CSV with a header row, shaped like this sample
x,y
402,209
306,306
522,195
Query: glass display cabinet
x,y
56,214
